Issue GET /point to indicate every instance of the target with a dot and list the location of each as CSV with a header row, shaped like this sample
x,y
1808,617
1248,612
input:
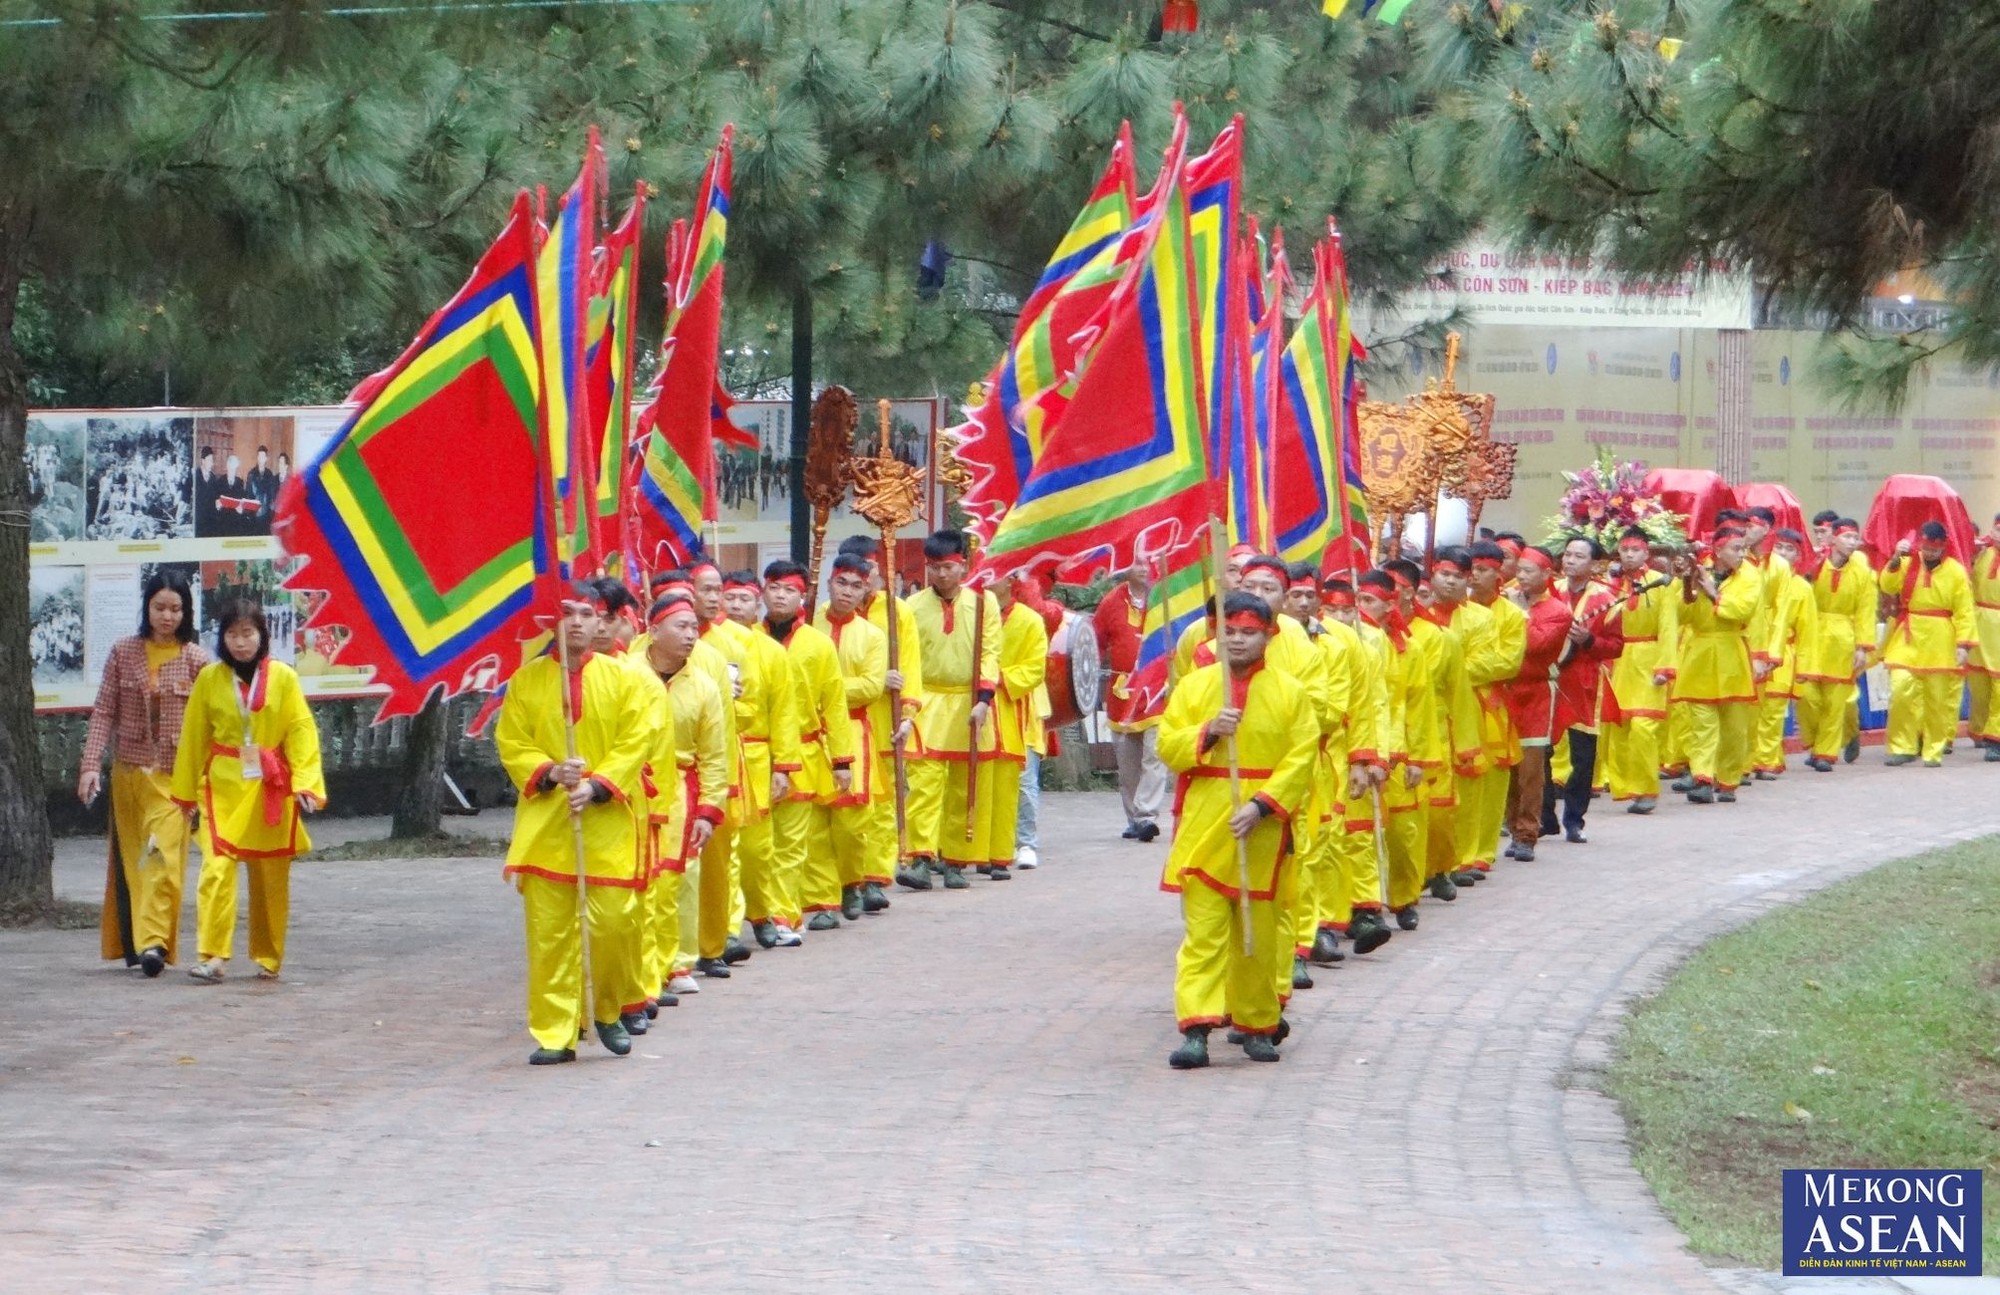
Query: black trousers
x,y
1575,793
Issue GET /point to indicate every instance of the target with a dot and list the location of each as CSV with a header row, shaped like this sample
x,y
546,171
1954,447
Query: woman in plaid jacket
x,y
137,720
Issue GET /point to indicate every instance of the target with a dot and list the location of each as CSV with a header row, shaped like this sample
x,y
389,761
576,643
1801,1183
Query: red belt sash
x,y
277,778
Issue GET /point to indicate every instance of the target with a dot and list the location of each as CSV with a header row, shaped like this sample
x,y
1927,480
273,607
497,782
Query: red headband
x,y
1338,598
704,565
1304,582
1487,564
1246,621
1537,558
750,584
1402,581
668,605
1241,552
674,589
1446,564
1635,542
1513,548
596,604
1846,528
797,582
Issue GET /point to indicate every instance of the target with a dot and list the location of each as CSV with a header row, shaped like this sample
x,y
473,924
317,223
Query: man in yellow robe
x,y
839,880
1231,838
1424,845
1930,644
893,721
1019,706
1788,634
744,852
1721,606
1845,605
687,790
1984,679
1323,911
596,788
1374,745
803,821
1648,609
951,778
1483,798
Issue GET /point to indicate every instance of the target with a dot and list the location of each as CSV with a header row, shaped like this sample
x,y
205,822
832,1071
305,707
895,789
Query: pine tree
x,y
1826,144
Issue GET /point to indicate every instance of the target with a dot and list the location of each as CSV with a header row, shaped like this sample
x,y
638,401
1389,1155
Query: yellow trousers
x,y
1719,742
1985,716
721,886
1628,755
687,912
809,857
1923,710
770,880
840,858
1674,739
270,908
555,957
1767,748
1409,844
1441,837
883,846
1482,807
937,812
1827,717
1361,865
147,865
1006,819
1215,982
659,931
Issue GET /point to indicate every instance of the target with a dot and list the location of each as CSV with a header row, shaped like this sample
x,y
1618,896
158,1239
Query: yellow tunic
x,y
615,730
251,818
909,658
1276,745
1986,609
1791,632
1937,617
950,676
819,705
1652,627
1024,665
766,729
861,650
1845,602
1715,660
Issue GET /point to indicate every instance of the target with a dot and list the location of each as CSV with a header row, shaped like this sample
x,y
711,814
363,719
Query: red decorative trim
x,y
569,878
534,784
1196,1022
608,785
709,814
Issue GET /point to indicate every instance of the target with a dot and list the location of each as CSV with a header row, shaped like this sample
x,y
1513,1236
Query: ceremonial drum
x,y
1075,679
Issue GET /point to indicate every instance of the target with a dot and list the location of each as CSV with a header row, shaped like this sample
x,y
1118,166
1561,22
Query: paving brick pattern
x,y
970,1093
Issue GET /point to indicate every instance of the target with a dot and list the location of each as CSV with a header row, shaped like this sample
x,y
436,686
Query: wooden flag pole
x,y
585,1004
972,717
1218,557
889,493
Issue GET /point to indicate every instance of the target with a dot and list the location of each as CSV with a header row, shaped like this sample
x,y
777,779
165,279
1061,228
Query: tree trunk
x,y
802,402
27,879
420,803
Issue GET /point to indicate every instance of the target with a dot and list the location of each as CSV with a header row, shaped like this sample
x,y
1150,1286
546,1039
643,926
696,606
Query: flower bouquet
x,y
1607,499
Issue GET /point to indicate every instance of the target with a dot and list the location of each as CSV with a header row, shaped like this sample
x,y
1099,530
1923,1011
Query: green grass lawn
x,y
1858,1029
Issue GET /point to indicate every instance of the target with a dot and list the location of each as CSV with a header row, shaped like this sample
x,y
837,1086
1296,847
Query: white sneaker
x,y
1025,858
683,984
788,938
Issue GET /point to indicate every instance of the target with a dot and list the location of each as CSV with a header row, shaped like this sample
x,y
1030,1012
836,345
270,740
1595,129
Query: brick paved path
x,y
969,1094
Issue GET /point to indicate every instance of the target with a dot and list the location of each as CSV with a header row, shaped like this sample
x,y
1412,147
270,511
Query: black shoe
x,y
766,933
1442,887
1701,794
614,1038
1643,805
1525,853
1284,1032
915,877
1513,851
153,961
985,869
634,1023
1575,836
653,1008
1131,832
851,903
872,898
1852,751
668,1000
1549,829
1406,917
714,968
1818,765
823,921
1765,775
1467,877
1368,934
552,1056
1193,1052
1258,1047
954,878
1725,797
1148,832
998,872
734,951
1301,978
1895,760
1326,947
1993,753
1683,784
